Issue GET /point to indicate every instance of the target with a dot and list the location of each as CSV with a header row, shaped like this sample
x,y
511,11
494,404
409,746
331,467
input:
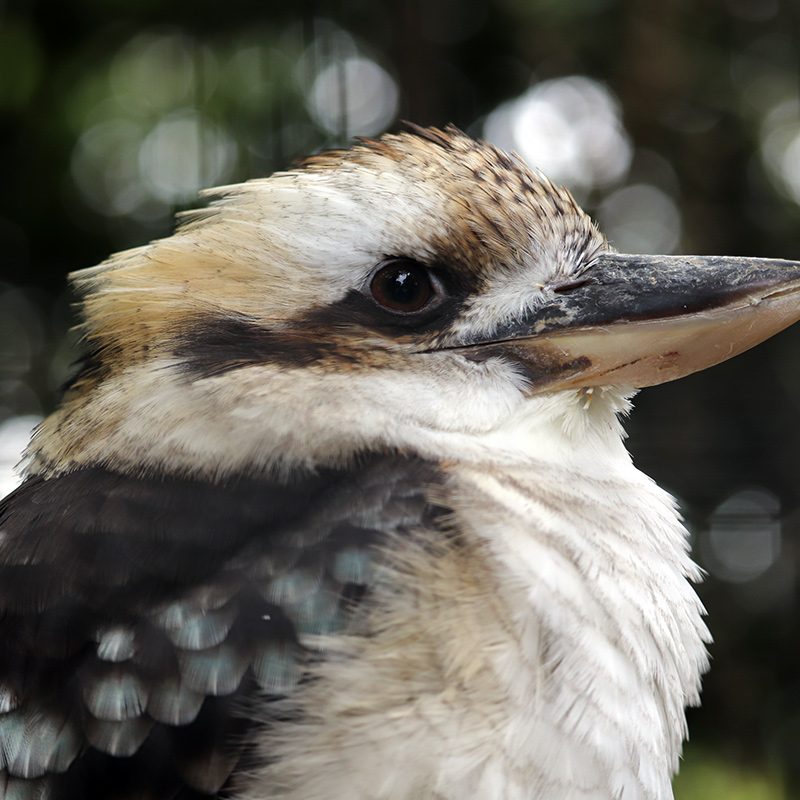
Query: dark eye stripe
x,y
215,344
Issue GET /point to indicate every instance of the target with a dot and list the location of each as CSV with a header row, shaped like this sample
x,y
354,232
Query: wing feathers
x,y
174,703
141,618
114,692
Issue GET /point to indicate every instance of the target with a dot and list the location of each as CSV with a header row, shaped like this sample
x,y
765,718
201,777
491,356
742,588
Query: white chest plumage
x,y
547,651
608,632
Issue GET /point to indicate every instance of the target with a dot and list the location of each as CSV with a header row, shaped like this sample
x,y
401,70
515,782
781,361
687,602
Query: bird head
x,y
409,288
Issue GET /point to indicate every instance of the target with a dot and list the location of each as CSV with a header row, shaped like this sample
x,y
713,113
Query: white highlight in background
x,y
570,128
15,433
744,539
354,96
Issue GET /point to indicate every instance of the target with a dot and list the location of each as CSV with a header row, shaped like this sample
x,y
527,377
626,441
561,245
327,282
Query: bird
x,y
337,504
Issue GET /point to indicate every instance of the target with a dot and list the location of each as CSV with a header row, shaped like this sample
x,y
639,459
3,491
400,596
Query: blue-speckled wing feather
x,y
140,617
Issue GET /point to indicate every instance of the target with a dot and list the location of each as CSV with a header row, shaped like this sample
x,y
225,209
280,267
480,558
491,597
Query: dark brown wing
x,y
140,617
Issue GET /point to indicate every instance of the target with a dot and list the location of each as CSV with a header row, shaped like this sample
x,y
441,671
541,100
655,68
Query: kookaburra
x,y
338,505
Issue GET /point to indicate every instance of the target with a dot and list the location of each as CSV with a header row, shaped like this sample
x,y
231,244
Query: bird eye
x,y
402,285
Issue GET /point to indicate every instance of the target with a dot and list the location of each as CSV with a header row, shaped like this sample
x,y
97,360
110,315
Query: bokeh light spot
x,y
182,153
353,96
780,147
157,71
744,538
104,167
570,128
640,219
15,433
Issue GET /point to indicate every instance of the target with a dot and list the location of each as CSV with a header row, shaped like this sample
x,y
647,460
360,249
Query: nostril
x,y
568,285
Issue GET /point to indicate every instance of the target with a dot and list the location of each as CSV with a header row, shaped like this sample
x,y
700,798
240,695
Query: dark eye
x,y
402,285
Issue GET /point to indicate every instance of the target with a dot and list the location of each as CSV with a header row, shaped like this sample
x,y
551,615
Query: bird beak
x,y
635,320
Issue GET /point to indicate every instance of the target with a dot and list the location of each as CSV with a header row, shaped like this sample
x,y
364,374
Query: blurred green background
x,y
675,122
